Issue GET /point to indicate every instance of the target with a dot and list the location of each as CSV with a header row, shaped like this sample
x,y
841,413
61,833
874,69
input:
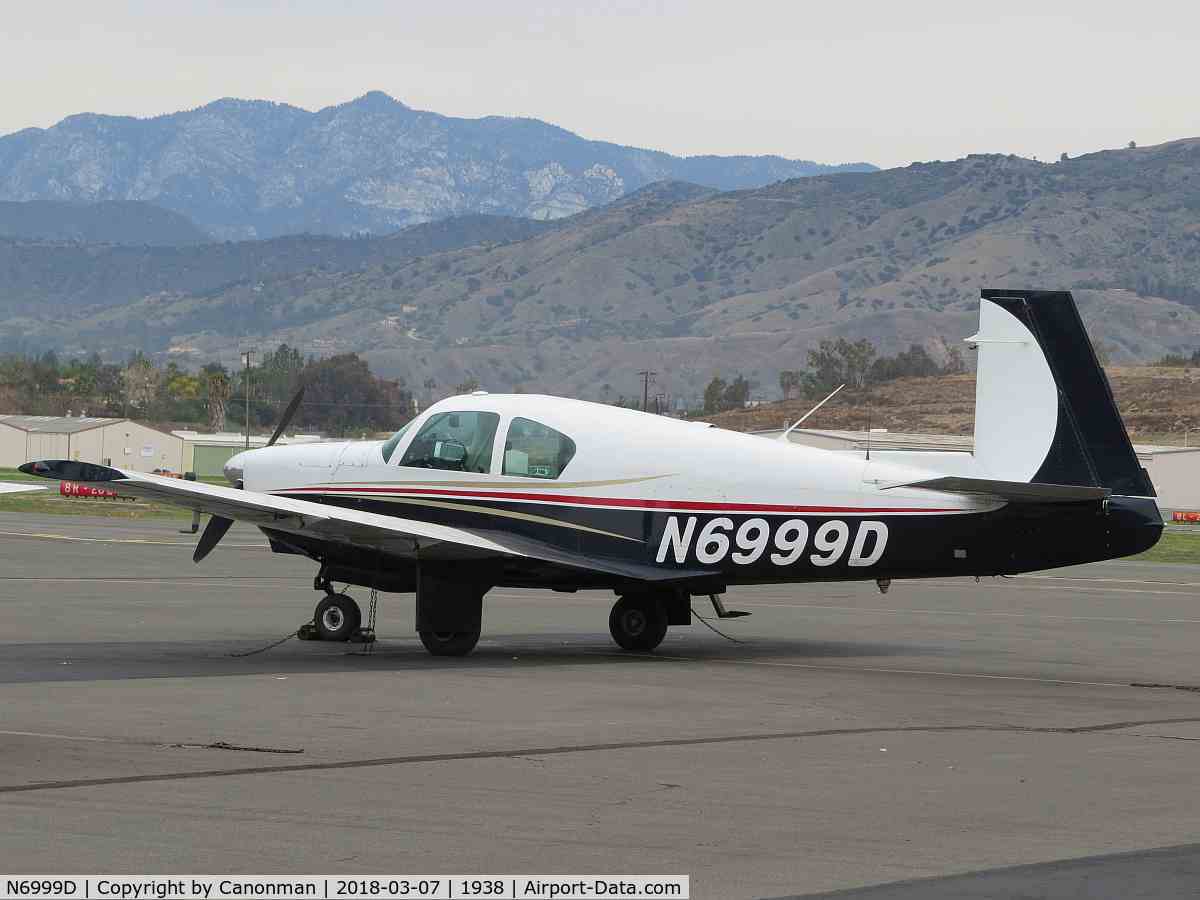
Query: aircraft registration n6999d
x,y
490,490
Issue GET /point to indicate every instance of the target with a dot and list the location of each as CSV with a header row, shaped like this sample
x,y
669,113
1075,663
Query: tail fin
x,y
1044,411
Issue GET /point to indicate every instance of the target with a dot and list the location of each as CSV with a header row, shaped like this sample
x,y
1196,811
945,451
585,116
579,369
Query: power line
x,y
246,421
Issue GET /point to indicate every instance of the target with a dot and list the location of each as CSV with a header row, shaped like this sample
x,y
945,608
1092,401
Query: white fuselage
x,y
623,456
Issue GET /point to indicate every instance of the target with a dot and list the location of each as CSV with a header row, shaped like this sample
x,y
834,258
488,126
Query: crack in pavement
x,y
563,750
1168,737
225,745
1172,687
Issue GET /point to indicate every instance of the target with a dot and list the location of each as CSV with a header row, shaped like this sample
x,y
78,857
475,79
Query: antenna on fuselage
x,y
799,421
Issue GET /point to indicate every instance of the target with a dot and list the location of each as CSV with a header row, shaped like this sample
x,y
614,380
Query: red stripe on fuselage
x,y
567,499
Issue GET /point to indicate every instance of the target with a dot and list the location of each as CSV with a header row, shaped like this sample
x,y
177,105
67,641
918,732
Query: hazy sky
x,y
837,81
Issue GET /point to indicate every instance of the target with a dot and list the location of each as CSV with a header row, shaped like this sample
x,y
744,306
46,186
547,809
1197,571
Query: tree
x,y
837,362
914,362
1178,359
181,385
278,375
955,364
736,393
789,383
142,381
467,387
341,395
10,398
217,388
722,395
714,394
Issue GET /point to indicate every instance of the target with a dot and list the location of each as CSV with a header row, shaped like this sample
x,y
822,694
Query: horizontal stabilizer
x,y
1012,491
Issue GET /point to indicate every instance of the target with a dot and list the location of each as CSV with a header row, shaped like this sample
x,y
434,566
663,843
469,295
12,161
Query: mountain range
x,y
108,221
250,168
679,279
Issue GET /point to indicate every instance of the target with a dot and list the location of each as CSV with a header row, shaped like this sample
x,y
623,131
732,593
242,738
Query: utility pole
x,y
647,377
246,390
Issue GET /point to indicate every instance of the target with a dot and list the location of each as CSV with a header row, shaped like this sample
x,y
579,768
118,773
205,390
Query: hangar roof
x,y
238,439
56,424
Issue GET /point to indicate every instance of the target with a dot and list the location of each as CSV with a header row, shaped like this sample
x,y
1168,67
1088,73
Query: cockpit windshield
x,y
460,441
390,445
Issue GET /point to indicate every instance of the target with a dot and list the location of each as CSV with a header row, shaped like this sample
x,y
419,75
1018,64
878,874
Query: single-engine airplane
x,y
489,490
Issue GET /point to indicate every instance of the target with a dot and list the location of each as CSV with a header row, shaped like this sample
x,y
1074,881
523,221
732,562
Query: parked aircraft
x,y
489,490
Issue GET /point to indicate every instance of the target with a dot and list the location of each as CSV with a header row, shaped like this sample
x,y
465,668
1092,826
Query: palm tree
x,y
218,388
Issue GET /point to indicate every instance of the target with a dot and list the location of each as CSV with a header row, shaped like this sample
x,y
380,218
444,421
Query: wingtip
x,y
71,470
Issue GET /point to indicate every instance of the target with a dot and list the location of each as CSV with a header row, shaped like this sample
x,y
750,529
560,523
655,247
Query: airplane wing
x,y
11,488
1011,491
403,537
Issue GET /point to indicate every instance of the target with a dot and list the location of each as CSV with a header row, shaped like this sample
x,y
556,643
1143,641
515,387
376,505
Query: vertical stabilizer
x,y
1044,411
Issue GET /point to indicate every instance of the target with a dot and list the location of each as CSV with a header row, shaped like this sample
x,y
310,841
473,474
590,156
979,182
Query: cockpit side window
x,y
390,445
536,450
458,441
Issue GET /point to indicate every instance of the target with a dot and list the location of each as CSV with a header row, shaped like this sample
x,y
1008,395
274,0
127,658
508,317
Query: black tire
x,y
638,622
449,643
337,618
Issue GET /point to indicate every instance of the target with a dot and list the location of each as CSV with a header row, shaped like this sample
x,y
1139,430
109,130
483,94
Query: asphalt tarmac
x,y
945,731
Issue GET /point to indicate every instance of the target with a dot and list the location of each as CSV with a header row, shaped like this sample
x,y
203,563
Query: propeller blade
x,y
286,420
213,532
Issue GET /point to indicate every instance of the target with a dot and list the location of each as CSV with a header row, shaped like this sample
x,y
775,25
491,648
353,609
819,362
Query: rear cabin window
x,y
536,450
459,441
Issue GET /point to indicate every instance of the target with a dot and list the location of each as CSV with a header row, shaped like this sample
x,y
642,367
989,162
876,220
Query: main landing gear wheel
x,y
449,643
337,618
638,622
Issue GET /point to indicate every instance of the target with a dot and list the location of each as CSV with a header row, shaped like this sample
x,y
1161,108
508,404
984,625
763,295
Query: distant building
x,y
880,439
1175,471
117,442
206,454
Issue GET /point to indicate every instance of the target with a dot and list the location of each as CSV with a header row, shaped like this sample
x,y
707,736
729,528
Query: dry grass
x,y
1159,405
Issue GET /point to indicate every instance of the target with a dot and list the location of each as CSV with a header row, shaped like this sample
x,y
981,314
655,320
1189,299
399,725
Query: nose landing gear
x,y
337,618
